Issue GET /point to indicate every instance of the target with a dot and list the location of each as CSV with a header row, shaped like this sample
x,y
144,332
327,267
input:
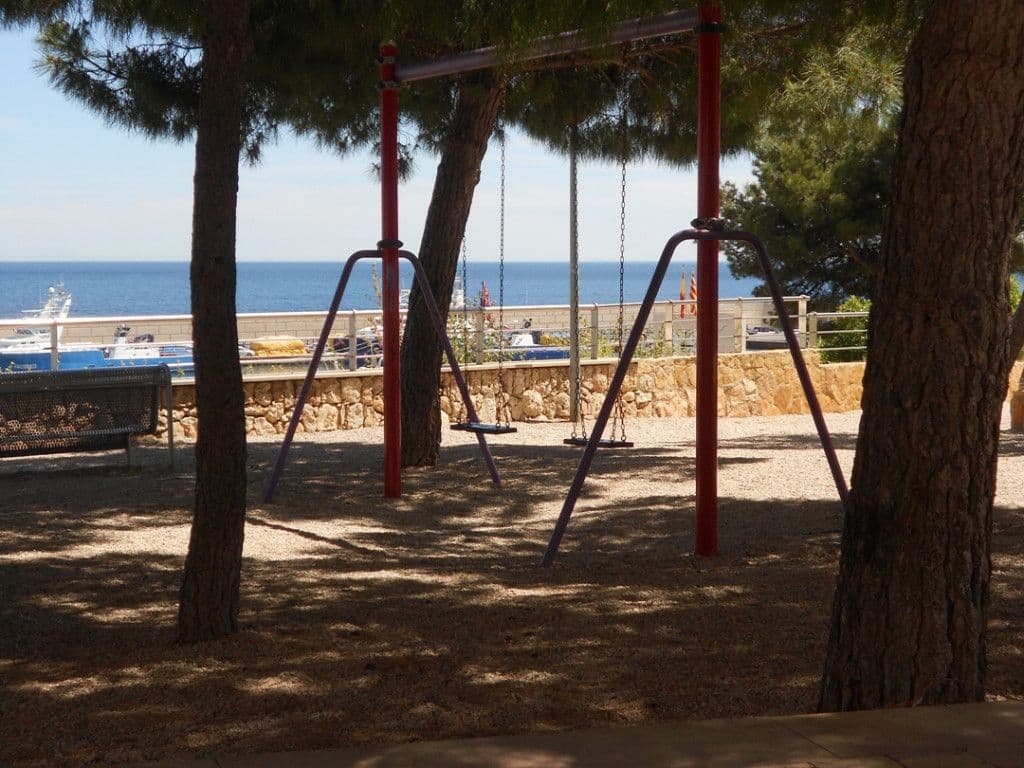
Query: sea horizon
x,y
120,288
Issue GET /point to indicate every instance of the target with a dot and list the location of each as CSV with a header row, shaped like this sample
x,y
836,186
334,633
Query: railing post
x,y
666,325
676,329
353,340
595,332
801,315
812,330
54,352
478,335
739,328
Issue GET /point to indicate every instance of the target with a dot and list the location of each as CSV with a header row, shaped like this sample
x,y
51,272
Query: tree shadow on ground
x,y
843,441
1011,443
368,620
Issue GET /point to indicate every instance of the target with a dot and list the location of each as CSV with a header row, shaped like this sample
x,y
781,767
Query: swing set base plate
x,y
582,442
487,429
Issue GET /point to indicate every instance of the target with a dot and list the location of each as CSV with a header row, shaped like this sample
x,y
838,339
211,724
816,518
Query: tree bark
x,y
909,616
479,100
209,598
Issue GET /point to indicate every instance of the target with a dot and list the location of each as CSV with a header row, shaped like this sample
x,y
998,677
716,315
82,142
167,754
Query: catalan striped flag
x,y
682,294
693,292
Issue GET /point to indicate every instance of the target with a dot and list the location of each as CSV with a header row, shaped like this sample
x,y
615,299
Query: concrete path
x,y
958,736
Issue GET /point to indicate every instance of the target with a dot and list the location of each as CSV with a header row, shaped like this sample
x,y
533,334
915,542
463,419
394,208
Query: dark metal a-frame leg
x,y
630,349
314,363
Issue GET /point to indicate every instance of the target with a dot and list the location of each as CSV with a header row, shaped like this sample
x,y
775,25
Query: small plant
x,y
846,332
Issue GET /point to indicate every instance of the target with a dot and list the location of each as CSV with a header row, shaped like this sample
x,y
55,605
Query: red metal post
x,y
389,271
708,146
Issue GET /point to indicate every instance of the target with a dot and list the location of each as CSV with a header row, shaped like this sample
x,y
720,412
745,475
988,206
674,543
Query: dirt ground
x,y
367,620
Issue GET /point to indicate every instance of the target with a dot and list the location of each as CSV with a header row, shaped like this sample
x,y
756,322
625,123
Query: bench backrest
x,y
55,411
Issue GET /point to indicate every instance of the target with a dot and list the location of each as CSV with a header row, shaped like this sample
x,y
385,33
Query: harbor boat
x,y
524,345
120,354
56,307
29,348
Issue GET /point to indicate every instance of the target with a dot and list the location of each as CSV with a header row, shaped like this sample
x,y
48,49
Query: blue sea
x,y
162,288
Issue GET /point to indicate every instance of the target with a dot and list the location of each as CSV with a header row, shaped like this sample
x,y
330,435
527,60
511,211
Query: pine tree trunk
x,y
479,100
208,606
909,617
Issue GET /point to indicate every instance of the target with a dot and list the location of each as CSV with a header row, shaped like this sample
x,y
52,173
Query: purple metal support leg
x,y
314,363
627,355
798,362
609,399
453,361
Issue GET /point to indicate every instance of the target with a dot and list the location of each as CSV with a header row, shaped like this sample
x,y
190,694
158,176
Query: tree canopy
x,y
822,159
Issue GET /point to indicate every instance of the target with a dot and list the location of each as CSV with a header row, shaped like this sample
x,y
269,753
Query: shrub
x,y
852,332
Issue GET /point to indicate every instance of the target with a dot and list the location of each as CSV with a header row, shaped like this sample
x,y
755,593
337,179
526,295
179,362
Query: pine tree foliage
x,y
822,159
639,100
138,65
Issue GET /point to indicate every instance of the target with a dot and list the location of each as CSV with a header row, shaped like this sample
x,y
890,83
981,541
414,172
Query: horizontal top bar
x,y
482,58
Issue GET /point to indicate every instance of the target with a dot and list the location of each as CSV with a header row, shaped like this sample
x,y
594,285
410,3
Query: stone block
x,y
371,418
281,391
532,404
562,410
327,418
262,393
1017,411
354,416
486,409
263,428
275,412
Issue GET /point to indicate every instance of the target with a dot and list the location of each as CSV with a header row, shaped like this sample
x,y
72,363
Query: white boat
x,y
56,307
29,348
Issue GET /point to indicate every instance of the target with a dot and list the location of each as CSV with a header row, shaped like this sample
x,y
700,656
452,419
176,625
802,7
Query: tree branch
x,y
854,256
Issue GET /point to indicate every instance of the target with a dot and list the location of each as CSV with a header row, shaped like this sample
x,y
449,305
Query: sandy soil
x,y
366,620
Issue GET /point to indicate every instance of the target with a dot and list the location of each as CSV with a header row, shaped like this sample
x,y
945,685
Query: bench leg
x,y
170,423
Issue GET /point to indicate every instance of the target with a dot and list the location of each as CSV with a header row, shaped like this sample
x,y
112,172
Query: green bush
x,y
853,333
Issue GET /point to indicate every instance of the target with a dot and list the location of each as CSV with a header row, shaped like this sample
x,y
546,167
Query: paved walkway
x,y
958,736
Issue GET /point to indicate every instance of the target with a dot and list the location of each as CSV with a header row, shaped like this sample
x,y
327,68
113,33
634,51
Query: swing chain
x,y
465,330
622,250
580,421
619,417
465,304
503,412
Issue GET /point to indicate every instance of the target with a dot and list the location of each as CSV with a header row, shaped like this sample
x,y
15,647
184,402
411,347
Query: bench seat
x,y
95,409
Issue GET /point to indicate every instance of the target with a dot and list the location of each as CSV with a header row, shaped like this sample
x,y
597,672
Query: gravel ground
x,y
372,620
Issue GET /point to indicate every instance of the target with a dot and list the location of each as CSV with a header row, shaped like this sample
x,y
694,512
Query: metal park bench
x,y
82,410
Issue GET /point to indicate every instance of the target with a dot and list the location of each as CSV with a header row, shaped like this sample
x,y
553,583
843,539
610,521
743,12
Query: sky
x,y
76,189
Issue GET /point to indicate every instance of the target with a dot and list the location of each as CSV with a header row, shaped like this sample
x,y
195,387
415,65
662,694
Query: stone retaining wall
x,y
1016,396
751,384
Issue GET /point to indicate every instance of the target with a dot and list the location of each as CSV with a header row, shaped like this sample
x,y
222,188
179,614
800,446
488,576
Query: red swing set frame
x,y
705,21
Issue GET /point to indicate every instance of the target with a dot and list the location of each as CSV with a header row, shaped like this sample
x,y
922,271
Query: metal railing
x,y
537,332
840,336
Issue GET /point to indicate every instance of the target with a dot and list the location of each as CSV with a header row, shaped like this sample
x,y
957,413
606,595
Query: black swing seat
x,y
487,429
582,442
